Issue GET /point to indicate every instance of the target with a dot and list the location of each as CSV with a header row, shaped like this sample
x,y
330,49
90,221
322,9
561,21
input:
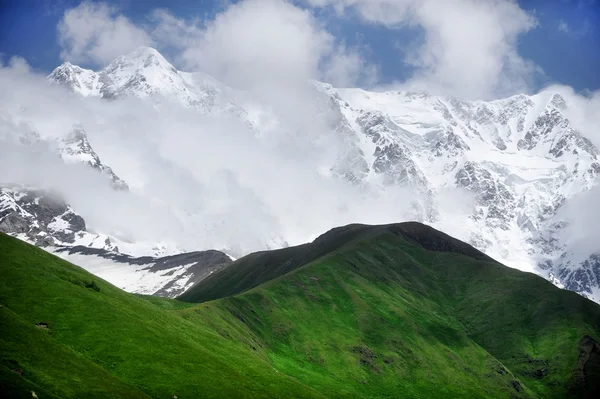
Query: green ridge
x,y
397,311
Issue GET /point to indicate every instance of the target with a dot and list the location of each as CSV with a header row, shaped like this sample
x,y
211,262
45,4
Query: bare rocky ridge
x,y
40,217
75,148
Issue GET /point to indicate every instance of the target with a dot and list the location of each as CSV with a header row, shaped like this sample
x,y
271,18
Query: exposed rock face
x,y
393,157
38,216
585,382
75,148
580,278
448,144
496,202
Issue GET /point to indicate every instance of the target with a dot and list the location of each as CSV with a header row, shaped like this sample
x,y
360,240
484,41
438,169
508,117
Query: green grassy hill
x,y
397,311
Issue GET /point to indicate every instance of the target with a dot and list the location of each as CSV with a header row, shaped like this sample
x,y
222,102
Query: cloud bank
x,y
253,41
199,181
97,33
469,48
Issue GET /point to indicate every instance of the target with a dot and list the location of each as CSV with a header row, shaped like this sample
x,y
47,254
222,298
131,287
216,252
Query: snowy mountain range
x,y
520,158
42,218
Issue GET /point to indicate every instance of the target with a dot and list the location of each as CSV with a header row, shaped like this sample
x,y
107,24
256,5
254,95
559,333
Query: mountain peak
x,y
558,101
67,67
141,57
144,51
141,72
76,78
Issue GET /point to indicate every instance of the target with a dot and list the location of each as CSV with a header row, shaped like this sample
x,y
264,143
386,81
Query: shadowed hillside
x,y
259,267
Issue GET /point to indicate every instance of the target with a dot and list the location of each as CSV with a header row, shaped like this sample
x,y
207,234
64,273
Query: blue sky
x,y
565,44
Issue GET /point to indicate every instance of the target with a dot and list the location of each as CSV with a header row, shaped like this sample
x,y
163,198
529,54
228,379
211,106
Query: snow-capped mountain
x,y
167,276
44,219
520,158
75,148
147,75
143,73
72,147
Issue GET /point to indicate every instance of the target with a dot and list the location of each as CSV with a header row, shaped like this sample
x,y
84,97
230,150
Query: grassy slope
x,y
364,312
113,344
381,314
260,267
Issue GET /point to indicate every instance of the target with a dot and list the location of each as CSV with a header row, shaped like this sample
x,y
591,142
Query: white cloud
x,y
346,67
210,181
19,64
97,33
582,110
582,216
270,49
174,32
262,43
470,46
563,26
200,181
